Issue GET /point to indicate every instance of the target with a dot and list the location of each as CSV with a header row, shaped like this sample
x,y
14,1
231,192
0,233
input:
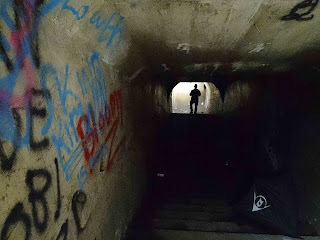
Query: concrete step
x,y
193,215
203,207
197,200
160,234
192,225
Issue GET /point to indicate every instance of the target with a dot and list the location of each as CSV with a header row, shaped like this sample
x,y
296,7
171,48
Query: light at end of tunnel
x,y
184,87
181,97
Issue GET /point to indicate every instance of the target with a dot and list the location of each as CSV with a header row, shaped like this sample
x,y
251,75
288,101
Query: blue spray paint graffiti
x,y
82,12
104,35
24,42
90,78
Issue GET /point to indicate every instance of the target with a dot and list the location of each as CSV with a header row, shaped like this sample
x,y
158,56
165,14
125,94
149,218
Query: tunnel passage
x,y
204,154
85,114
213,152
181,97
215,159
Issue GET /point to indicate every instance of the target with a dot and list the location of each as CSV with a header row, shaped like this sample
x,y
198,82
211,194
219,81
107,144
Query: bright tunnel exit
x,y
181,97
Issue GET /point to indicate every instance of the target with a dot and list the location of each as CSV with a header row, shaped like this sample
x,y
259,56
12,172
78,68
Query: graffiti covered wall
x,y
63,123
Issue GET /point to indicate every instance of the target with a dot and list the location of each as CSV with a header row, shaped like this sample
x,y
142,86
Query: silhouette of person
x,y
195,94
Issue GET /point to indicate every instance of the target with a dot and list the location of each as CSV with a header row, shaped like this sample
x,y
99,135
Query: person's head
x,y
195,86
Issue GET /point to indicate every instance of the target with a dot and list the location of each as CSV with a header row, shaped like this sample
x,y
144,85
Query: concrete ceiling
x,y
238,33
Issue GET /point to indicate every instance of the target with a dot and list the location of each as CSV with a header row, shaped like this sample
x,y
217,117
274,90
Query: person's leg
x,y
191,110
195,107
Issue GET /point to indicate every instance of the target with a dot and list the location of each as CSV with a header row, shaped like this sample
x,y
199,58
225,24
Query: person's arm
x,y
199,93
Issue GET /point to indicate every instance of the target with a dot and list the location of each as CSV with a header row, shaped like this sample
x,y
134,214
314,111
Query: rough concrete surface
x,y
79,104
71,167
186,235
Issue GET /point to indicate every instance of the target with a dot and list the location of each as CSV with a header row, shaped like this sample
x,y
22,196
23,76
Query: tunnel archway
x,y
180,97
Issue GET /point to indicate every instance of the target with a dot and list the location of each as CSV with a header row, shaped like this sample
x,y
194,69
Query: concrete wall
x,y
74,101
236,98
287,135
301,132
79,107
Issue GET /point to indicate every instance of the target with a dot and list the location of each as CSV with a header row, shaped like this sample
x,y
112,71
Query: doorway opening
x,y
181,97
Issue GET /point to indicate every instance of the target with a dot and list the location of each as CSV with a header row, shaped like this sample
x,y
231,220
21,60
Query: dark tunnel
x,y
208,163
100,137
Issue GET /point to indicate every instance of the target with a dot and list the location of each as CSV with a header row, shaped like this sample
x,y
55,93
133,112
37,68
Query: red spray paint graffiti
x,y
87,129
90,135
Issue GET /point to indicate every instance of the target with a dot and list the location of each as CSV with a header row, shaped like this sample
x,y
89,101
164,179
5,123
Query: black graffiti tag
x,y
39,113
37,197
16,215
63,231
4,54
7,161
308,6
27,21
79,198
57,214
8,158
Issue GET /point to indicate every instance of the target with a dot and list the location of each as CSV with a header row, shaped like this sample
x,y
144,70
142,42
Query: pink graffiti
x,y
18,37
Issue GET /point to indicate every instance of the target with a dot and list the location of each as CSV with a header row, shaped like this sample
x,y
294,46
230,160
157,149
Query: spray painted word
x,y
108,31
308,5
93,155
40,209
17,84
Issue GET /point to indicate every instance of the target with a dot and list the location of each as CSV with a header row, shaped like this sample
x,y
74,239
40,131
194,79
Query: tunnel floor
x,y
202,165
205,154
200,161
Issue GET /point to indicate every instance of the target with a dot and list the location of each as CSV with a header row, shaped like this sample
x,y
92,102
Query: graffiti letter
x,y
96,20
60,143
41,113
16,215
91,134
63,231
294,15
38,196
64,93
46,71
57,214
117,29
4,46
79,197
7,162
112,132
74,12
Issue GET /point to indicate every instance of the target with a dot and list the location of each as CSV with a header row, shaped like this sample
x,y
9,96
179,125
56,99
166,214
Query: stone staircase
x,y
190,217
192,235
197,214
